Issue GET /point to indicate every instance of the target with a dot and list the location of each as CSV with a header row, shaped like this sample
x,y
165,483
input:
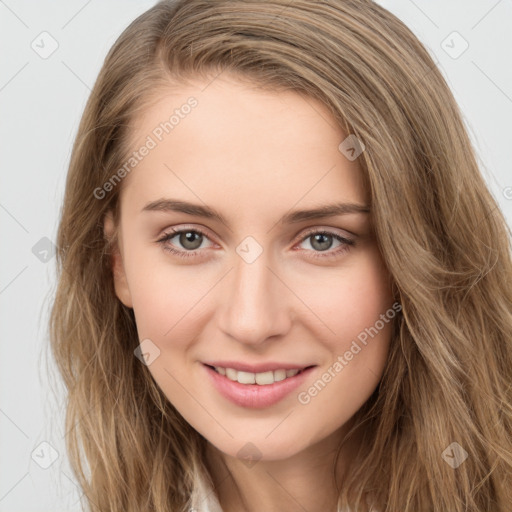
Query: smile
x,y
256,389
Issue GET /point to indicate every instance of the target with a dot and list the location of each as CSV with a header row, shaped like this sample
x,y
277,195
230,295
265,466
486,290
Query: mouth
x,y
257,390
264,378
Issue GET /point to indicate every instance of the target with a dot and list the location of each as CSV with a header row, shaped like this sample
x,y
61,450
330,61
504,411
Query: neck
x,y
305,481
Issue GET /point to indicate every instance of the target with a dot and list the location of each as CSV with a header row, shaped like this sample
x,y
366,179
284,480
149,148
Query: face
x,y
223,267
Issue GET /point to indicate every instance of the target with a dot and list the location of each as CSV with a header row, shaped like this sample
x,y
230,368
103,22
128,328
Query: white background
x,y
41,101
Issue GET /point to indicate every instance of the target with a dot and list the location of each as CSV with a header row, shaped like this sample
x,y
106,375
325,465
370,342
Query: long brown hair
x,y
441,233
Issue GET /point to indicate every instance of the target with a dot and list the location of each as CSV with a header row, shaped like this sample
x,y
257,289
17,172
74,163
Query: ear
x,y
116,262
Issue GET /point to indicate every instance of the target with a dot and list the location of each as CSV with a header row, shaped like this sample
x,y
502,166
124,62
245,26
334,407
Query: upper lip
x,y
257,368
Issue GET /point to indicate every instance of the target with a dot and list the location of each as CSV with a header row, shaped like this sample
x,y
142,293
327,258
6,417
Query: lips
x,y
253,394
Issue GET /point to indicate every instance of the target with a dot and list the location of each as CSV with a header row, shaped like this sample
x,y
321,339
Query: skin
x,y
254,156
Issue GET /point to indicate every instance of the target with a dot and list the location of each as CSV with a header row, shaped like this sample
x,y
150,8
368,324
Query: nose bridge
x,y
254,306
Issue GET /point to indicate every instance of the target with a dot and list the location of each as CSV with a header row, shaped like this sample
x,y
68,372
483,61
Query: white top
x,y
204,498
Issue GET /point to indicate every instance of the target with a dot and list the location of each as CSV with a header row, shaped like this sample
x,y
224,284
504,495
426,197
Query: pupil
x,y
322,246
189,240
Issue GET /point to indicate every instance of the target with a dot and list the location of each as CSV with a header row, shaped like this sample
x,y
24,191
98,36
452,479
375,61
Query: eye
x,y
190,240
321,241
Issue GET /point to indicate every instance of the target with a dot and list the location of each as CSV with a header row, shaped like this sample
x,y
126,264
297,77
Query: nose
x,y
254,305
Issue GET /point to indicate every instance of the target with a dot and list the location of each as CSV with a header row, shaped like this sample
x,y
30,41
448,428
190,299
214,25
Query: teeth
x,y
246,378
279,375
263,378
231,374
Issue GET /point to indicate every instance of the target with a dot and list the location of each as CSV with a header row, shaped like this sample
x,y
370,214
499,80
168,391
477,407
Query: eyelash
x,y
346,243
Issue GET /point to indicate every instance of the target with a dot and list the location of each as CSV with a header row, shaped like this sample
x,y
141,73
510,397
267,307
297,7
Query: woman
x,y
283,281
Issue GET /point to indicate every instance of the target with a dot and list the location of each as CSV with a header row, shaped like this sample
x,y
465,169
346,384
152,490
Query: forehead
x,y
228,141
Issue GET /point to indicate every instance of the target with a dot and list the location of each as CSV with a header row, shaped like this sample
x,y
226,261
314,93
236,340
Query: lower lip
x,y
254,395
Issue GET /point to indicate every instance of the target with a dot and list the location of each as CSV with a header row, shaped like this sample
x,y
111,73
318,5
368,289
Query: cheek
x,y
350,298
369,317
171,303
166,303
357,311
363,329
368,294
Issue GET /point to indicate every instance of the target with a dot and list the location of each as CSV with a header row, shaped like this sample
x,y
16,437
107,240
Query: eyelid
x,y
184,227
334,231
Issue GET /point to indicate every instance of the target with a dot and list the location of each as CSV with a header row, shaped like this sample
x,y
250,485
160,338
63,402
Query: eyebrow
x,y
329,210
